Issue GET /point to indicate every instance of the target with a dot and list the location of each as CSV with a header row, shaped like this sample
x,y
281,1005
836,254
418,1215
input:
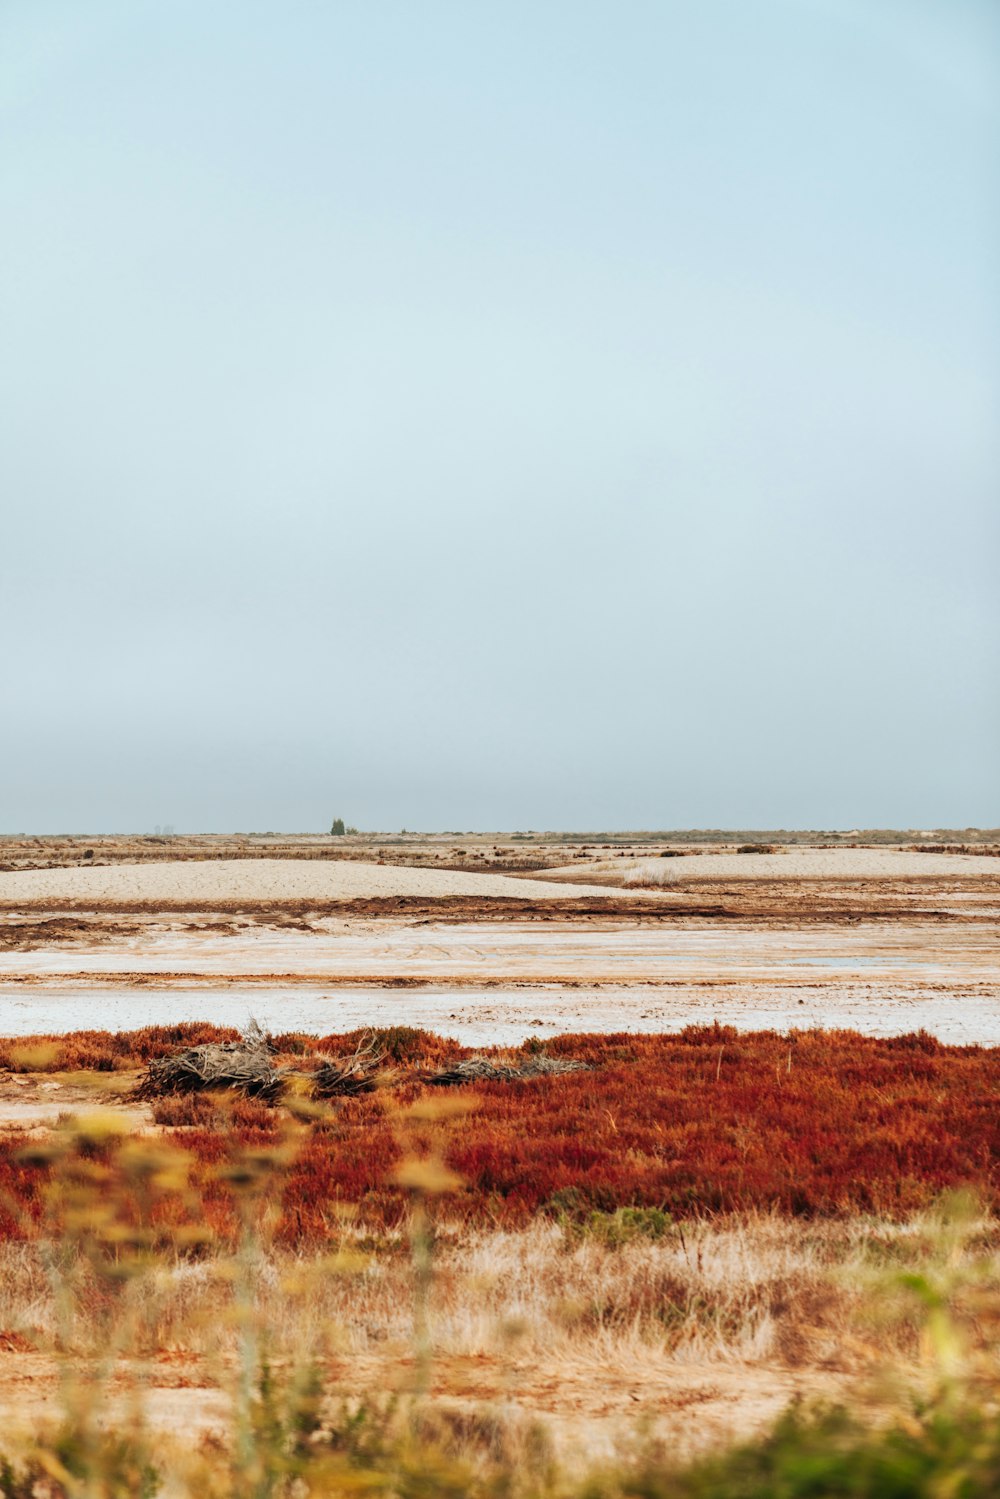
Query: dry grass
x,y
743,1290
650,874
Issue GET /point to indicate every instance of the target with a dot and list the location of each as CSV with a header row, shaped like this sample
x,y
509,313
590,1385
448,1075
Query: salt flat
x,y
885,1006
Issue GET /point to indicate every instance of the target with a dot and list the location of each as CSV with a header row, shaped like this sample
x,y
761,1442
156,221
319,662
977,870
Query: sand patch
x,y
252,880
788,864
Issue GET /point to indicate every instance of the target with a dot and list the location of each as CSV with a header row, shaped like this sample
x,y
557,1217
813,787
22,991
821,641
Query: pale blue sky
x,y
499,415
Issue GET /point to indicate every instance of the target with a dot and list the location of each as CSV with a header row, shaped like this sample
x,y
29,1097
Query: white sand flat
x,y
813,864
266,880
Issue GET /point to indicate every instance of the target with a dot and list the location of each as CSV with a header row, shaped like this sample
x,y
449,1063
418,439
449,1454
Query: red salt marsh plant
x,y
105,1051
702,1122
122,1051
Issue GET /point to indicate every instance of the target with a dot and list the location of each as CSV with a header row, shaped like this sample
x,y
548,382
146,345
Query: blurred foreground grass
x,y
927,1425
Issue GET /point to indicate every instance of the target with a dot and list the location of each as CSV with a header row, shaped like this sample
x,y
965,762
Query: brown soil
x,y
691,1407
32,1102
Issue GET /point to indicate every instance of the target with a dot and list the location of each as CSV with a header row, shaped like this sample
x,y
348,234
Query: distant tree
x,y
337,831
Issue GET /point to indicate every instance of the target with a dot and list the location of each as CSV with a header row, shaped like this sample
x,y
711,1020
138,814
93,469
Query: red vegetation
x,y
120,1051
105,1051
705,1121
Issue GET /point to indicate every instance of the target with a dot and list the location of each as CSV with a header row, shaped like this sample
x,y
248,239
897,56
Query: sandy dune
x,y
263,880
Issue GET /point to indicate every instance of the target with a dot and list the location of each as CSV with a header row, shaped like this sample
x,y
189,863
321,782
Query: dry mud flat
x,y
877,940
485,983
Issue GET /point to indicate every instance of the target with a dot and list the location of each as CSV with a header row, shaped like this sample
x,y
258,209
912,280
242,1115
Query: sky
x,y
499,416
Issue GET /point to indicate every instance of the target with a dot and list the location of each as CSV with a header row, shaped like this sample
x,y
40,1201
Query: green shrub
x,y
810,1456
623,1226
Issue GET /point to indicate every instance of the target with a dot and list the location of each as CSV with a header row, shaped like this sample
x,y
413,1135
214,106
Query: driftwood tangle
x,y
245,1065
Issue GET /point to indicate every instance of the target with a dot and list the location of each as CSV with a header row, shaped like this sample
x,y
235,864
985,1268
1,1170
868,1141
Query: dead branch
x,y
345,1077
479,1069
